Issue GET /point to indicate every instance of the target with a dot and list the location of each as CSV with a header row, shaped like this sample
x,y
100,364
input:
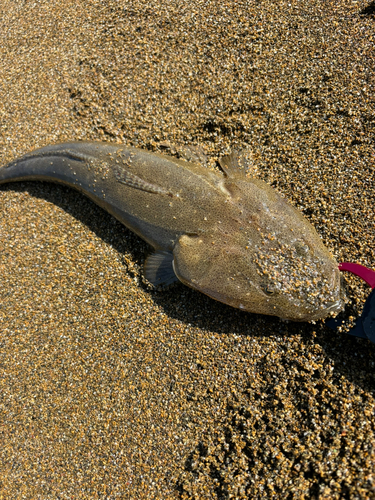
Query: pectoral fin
x,y
158,269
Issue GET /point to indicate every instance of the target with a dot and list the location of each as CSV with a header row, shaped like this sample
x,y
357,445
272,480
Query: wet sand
x,y
112,390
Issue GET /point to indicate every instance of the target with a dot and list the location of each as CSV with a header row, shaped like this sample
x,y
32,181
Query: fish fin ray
x,y
190,153
236,164
158,269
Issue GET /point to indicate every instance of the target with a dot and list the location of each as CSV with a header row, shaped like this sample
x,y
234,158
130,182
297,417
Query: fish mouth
x,y
334,307
331,309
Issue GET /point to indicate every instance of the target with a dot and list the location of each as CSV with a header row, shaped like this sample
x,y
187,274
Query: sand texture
x,y
109,389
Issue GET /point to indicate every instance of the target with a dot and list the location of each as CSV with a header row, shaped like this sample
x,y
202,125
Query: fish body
x,y
230,236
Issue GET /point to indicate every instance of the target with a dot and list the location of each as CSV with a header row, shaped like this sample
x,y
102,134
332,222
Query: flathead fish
x,y
225,234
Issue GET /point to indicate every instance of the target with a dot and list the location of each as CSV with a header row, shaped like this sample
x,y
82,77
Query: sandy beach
x,y
110,389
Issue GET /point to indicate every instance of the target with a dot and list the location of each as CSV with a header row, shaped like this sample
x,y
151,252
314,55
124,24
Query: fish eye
x,y
301,248
268,289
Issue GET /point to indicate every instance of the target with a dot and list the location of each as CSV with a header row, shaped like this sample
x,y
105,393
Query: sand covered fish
x,y
232,237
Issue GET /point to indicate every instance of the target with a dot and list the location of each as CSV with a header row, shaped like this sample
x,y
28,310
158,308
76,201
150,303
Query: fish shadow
x,y
100,222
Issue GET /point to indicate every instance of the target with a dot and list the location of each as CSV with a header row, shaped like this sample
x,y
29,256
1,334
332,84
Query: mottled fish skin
x,y
230,236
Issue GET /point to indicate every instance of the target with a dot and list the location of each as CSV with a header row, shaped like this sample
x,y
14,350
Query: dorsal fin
x,y
190,153
132,180
236,164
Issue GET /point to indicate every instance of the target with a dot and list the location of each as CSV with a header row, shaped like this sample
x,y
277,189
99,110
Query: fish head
x,y
264,258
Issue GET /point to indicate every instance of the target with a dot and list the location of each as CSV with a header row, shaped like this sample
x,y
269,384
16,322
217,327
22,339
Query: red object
x,y
363,272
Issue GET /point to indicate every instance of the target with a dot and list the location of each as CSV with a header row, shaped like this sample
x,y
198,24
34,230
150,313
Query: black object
x,y
365,325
